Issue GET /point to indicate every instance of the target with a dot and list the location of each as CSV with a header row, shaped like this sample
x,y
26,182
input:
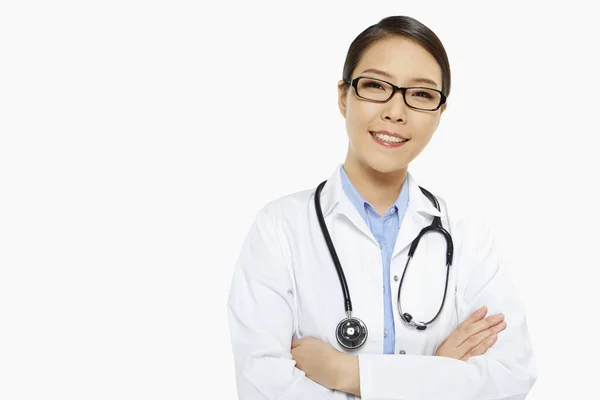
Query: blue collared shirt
x,y
385,230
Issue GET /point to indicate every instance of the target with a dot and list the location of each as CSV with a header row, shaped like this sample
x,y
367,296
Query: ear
x,y
442,108
342,93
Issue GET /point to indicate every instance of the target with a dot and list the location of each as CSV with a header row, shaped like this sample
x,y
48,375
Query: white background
x,y
138,139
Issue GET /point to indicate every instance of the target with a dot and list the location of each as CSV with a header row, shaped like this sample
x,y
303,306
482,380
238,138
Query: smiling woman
x,y
359,230
372,107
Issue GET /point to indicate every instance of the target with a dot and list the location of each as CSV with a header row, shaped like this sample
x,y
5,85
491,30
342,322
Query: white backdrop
x,y
138,139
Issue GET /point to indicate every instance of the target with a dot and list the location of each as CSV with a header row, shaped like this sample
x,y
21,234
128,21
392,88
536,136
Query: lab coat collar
x,y
333,194
418,215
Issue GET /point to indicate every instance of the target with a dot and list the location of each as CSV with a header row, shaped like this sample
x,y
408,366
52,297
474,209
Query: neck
x,y
380,189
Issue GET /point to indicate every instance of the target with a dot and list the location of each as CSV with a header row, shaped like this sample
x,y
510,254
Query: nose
x,y
395,108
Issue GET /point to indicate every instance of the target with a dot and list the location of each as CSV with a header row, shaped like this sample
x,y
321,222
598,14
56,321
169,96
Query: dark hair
x,y
398,26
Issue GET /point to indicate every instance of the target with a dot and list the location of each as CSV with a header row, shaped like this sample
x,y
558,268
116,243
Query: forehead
x,y
402,58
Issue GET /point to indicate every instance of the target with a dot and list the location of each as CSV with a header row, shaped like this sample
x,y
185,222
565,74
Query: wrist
x,y
348,379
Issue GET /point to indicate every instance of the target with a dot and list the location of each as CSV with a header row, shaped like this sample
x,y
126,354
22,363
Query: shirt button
x,y
381,245
385,333
392,210
401,352
396,278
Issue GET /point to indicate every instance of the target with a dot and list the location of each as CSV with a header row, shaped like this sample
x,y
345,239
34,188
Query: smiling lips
x,y
388,139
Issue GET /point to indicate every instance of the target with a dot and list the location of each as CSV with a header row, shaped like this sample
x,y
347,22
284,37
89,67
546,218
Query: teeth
x,y
387,138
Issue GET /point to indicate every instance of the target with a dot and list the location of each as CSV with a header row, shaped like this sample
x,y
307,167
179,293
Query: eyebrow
x,y
387,75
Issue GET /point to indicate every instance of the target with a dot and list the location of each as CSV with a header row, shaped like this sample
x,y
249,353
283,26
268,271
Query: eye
x,y
423,94
372,84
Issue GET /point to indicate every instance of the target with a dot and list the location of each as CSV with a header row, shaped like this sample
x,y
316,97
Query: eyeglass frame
x,y
354,84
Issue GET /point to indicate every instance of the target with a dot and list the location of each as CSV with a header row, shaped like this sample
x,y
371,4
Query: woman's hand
x,y
320,361
473,337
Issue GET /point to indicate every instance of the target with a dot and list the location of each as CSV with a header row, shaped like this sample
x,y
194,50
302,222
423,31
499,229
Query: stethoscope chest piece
x,y
351,333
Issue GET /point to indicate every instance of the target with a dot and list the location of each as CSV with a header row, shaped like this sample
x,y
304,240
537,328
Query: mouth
x,y
388,139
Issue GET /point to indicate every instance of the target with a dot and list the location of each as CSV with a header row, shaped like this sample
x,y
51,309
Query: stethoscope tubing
x,y
334,256
353,342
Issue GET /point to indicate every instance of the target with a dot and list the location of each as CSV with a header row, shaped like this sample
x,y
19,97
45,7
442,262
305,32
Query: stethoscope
x,y
351,332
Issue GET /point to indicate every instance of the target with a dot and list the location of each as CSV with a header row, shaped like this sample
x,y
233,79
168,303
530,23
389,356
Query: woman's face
x,y
402,62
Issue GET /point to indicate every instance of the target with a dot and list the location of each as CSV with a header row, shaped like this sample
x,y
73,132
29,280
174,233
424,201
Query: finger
x,y
460,334
474,317
296,342
486,323
481,348
479,338
481,326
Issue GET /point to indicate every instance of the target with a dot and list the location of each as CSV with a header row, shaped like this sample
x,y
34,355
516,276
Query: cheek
x,y
360,115
423,125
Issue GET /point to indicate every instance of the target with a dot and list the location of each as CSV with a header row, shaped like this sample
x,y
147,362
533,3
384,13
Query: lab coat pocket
x,y
444,325
426,342
319,297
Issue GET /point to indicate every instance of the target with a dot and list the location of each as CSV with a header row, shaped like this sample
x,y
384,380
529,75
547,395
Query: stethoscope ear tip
x,y
409,320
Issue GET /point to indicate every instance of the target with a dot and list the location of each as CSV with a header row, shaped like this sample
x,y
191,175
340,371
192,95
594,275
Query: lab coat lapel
x,y
412,223
333,199
419,214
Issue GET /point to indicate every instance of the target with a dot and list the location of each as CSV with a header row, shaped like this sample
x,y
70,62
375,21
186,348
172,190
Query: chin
x,y
385,166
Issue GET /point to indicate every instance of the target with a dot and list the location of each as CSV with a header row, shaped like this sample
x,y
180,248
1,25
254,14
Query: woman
x,y
285,303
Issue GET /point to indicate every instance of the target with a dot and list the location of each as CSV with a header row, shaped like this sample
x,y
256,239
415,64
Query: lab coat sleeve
x,y
506,371
260,310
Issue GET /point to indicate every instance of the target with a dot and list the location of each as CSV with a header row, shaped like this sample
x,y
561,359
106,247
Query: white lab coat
x,y
285,286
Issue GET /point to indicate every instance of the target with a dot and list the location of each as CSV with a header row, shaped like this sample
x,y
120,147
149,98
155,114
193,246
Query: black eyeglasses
x,y
417,97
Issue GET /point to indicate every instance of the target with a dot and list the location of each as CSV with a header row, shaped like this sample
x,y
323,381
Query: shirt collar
x,y
358,200
333,193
